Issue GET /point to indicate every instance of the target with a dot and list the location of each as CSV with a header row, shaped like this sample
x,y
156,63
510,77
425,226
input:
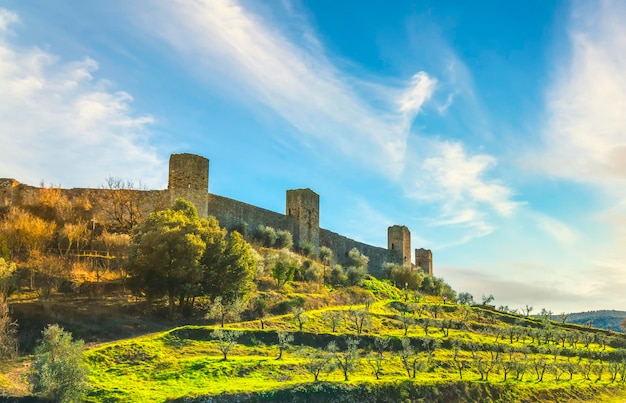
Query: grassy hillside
x,y
471,353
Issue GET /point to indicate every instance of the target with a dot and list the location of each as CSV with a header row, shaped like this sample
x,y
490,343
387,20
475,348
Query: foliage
x,y
403,276
465,298
284,340
346,359
227,339
299,316
166,252
284,239
7,279
306,249
58,372
266,236
8,333
284,268
228,265
225,311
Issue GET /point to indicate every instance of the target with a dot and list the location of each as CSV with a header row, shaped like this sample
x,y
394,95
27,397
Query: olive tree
x,y
58,372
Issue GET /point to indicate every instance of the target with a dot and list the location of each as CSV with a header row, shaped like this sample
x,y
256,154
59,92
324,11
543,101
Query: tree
x,y
346,359
122,204
228,265
407,320
225,311
377,357
7,281
333,319
527,310
284,340
409,358
226,340
487,299
26,236
315,362
326,256
465,298
283,271
58,372
166,252
8,332
299,316
360,318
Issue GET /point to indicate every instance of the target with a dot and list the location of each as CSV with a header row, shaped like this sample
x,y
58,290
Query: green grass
x,y
186,362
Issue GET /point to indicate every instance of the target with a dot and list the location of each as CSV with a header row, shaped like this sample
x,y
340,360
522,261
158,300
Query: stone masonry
x,y
189,178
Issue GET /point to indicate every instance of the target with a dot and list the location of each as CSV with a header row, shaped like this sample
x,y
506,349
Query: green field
x,y
541,360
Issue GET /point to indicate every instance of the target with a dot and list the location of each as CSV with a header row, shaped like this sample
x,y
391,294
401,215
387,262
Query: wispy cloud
x,y
585,137
559,231
365,120
56,117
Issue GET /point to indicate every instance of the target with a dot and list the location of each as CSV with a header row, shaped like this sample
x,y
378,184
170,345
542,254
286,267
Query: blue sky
x,y
494,130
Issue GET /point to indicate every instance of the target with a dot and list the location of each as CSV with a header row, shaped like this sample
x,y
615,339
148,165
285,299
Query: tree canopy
x,y
166,252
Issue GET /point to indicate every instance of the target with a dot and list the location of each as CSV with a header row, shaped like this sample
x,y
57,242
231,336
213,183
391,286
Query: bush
x,y
58,372
313,274
283,239
266,236
306,249
338,276
356,275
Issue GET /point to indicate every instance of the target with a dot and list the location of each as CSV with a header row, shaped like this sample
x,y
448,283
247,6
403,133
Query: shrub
x,y
283,239
58,372
306,249
266,236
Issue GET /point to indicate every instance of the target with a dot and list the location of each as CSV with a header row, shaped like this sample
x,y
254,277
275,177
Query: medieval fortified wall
x,y
189,178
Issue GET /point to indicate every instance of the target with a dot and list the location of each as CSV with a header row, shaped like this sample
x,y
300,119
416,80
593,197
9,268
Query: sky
x,y
496,131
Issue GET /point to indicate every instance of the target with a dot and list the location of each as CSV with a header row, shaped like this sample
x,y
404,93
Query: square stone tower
x,y
189,179
399,241
304,206
424,260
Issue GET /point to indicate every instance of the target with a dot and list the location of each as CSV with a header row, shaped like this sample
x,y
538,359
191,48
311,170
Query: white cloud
x,y
369,122
298,82
60,124
7,17
585,137
457,181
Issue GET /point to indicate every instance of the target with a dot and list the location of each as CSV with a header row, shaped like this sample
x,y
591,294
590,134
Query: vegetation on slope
x,y
432,350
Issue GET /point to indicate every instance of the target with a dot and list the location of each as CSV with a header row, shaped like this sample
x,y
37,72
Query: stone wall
x,y
189,178
232,213
6,191
341,245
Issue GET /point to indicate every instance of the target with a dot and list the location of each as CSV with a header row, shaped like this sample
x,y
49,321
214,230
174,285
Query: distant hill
x,y
609,320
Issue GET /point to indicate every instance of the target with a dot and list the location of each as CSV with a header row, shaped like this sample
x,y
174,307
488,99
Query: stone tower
x,y
189,178
424,260
304,206
399,241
